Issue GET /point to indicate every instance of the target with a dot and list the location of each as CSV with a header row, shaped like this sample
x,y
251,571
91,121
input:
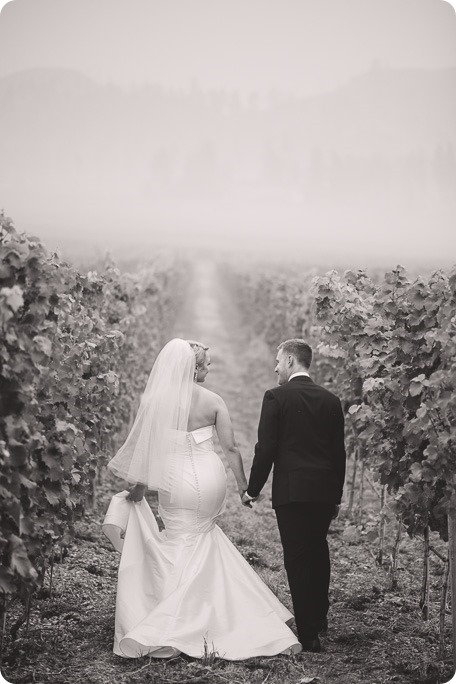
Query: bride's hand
x,y
136,493
247,500
242,488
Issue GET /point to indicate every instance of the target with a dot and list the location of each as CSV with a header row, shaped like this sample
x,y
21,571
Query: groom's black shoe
x,y
312,645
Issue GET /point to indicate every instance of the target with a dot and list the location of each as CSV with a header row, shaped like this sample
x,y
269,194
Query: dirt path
x,y
376,636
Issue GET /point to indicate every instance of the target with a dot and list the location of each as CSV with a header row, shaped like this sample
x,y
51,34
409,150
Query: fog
x,y
315,131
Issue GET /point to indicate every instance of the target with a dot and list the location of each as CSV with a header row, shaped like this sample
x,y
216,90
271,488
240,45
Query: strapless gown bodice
x,y
198,486
187,586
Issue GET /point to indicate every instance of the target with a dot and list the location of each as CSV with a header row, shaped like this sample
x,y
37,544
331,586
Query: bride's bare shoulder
x,y
209,396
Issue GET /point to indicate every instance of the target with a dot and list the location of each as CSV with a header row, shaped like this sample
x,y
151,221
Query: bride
x,y
185,589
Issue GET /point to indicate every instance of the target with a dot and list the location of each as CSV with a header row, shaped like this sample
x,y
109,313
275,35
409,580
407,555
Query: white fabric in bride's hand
x,y
116,519
187,585
150,452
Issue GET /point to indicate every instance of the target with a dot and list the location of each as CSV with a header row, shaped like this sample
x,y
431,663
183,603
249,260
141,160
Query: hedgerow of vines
x,y
75,350
387,348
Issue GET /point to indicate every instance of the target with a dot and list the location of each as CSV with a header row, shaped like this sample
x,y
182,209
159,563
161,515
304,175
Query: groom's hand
x,y
246,499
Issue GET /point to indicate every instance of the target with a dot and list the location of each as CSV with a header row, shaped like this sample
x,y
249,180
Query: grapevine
x,y
76,348
387,346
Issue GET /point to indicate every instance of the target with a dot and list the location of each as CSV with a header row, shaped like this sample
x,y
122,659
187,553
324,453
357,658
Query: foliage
x,y
73,358
387,347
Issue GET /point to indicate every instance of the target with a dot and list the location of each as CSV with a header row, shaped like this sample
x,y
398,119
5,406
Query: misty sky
x,y
302,46
365,168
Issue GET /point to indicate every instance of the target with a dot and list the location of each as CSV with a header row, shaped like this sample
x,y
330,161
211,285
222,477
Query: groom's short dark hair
x,y
299,349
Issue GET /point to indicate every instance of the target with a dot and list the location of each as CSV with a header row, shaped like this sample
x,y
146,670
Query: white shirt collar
x,y
294,375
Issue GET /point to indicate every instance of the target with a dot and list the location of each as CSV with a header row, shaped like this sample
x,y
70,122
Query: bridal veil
x,y
149,454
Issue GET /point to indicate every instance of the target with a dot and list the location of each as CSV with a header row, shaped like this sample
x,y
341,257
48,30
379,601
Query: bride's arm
x,y
225,434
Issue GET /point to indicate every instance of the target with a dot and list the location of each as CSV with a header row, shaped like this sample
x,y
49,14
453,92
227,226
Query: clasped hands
x,y
246,499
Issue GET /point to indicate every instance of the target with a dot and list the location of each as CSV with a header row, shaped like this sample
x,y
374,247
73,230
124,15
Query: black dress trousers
x,y
303,528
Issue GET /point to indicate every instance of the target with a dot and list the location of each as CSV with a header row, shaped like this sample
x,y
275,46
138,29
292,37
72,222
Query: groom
x,y
301,434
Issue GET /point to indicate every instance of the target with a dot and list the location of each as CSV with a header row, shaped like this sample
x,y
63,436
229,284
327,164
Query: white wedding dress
x,y
187,588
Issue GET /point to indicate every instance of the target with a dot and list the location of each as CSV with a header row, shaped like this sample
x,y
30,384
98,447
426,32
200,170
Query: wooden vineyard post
x,y
452,558
359,514
424,600
353,483
395,556
443,607
52,570
381,527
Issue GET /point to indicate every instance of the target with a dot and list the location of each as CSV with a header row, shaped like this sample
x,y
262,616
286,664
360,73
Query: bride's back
x,y
203,409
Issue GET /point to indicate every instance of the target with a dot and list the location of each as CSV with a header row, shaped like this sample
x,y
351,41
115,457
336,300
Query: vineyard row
x,y
75,351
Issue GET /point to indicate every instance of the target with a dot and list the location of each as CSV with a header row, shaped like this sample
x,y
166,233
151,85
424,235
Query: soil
x,y
376,634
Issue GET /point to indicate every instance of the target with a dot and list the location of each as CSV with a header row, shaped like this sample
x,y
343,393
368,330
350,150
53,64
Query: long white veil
x,y
149,453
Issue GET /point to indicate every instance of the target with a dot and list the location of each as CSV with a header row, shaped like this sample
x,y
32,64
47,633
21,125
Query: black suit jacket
x,y
301,434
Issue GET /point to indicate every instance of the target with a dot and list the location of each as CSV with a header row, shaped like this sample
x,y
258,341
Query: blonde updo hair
x,y
200,350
